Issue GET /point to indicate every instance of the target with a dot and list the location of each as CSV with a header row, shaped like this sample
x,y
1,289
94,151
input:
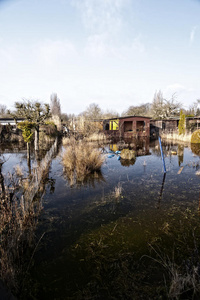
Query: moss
x,y
196,137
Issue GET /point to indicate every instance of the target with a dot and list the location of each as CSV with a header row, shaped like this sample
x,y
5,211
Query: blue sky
x,y
115,53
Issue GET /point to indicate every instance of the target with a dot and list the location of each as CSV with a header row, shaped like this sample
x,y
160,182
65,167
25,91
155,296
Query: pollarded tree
x,y
34,112
27,133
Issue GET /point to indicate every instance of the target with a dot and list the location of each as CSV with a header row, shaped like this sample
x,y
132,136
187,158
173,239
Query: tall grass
x,y
18,219
81,159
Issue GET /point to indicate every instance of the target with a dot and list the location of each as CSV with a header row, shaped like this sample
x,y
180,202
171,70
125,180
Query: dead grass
x,y
81,159
96,137
18,220
184,279
67,140
117,191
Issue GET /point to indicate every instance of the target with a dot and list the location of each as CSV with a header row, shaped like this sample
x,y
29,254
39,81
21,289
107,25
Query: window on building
x,y
140,126
128,126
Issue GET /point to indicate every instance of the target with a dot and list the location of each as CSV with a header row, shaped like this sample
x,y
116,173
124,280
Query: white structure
x,y
9,121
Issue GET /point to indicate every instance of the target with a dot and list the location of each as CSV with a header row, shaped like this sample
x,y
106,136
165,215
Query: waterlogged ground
x,y
94,244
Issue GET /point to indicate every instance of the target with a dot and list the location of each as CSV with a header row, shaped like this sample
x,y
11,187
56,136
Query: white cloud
x,y
192,34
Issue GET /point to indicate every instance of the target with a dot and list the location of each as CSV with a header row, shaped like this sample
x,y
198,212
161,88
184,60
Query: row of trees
x,y
160,108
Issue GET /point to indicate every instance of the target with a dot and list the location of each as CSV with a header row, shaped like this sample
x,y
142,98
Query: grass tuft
x,y
81,159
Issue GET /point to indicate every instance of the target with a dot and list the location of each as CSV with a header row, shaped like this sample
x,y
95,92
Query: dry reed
x,y
176,137
18,219
81,159
117,191
96,137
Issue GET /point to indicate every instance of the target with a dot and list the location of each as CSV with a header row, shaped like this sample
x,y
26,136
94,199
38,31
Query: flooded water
x,y
94,244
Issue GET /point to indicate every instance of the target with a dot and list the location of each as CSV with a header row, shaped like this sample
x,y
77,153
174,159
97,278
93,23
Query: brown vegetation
x,y
176,136
81,159
18,219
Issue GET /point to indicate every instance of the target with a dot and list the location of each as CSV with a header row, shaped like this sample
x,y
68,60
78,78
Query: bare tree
x,y
3,110
33,112
110,114
162,108
194,109
55,105
93,112
139,110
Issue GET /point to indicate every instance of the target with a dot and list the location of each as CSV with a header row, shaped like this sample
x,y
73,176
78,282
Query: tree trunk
x,y
37,138
29,158
2,182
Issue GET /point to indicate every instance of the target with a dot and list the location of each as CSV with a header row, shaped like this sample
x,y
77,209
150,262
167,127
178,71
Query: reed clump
x,y
81,159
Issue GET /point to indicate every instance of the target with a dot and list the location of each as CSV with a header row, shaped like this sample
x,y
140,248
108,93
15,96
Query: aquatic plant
x,y
81,159
118,191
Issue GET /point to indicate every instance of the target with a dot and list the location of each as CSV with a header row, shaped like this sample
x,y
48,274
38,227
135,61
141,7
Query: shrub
x,y
195,138
80,159
128,154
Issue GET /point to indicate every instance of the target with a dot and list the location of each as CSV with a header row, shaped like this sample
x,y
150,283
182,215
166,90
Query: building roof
x,y
127,117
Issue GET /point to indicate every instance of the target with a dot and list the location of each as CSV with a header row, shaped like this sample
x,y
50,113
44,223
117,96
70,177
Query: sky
x,y
115,53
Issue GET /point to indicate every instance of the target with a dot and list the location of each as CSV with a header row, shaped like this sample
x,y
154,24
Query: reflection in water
x,y
2,179
94,241
20,207
89,180
161,191
140,146
127,162
180,153
195,149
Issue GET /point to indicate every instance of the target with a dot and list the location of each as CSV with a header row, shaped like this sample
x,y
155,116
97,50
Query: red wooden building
x,y
127,127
